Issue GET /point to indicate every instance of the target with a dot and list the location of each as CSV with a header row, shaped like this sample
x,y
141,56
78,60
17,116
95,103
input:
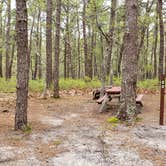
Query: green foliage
x,y
7,86
117,81
66,84
113,120
87,79
38,85
138,119
28,129
151,84
80,84
57,142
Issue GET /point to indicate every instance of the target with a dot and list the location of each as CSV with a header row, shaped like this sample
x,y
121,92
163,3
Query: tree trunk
x,y
22,65
94,55
49,44
88,62
161,55
155,43
34,73
120,56
40,54
8,38
78,46
12,57
1,39
165,52
111,36
65,58
127,110
57,50
30,44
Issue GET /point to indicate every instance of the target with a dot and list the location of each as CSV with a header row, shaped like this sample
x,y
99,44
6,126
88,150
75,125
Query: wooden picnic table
x,y
114,92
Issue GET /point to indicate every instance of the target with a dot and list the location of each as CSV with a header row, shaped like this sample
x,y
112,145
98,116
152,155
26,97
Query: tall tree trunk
x,y
22,65
127,110
57,50
161,56
155,43
1,39
49,44
120,56
65,58
40,53
30,44
88,62
12,57
8,39
34,77
69,52
165,52
111,40
94,54
34,74
78,46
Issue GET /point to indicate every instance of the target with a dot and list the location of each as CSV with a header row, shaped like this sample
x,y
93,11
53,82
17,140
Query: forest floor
x,y
70,131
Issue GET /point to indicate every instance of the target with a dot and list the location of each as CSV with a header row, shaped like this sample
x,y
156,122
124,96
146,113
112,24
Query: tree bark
x,y
49,44
111,36
40,53
87,56
127,110
57,50
161,23
30,44
12,57
78,45
8,38
120,56
22,65
1,39
155,43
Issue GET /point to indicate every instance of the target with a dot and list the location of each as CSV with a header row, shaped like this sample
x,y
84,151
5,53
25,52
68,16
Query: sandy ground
x,y
70,131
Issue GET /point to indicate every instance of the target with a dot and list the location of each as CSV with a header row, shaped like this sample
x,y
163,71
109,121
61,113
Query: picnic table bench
x,y
114,92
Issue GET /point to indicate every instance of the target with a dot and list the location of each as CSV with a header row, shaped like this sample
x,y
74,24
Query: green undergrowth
x,y
28,129
113,120
66,84
38,85
150,84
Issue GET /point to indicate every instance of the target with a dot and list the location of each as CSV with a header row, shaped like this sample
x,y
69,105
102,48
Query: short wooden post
x,y
162,95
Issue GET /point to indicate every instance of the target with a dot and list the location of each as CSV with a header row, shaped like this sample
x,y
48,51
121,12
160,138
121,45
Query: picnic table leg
x,y
104,103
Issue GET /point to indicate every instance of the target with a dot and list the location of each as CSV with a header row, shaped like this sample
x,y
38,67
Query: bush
x,y
150,84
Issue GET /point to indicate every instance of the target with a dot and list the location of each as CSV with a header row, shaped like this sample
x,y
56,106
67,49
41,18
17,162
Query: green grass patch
x,y
67,84
150,84
138,119
27,129
7,86
113,120
38,85
57,142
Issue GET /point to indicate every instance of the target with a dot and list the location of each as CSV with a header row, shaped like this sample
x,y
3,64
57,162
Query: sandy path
x,y
70,132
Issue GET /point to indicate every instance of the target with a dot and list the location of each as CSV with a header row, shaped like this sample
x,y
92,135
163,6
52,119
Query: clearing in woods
x,y
70,132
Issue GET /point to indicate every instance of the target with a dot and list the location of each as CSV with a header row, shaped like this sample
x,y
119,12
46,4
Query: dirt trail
x,y
70,132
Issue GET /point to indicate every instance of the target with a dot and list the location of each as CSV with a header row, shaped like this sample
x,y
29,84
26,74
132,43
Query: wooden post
x,y
162,95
